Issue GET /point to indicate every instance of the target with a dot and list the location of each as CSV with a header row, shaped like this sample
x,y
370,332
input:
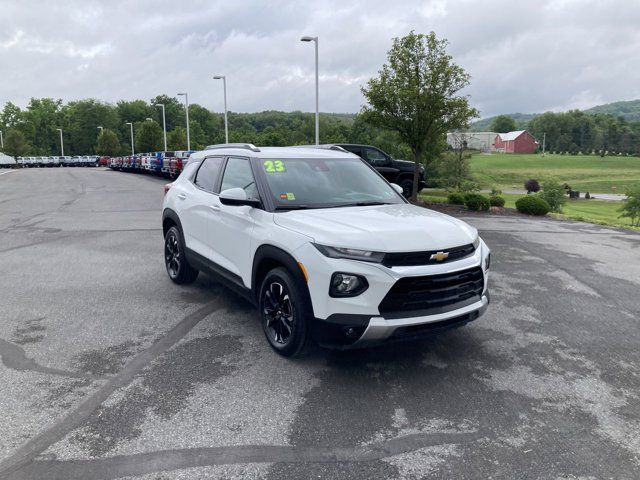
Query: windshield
x,y
326,182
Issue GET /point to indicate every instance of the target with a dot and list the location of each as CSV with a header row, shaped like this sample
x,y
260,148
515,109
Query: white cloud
x,y
525,56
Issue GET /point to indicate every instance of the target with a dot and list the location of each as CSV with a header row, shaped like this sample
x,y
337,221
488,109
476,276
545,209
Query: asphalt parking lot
x,y
111,371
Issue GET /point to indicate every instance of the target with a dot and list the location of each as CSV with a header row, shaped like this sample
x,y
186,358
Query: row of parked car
x,y
66,161
167,164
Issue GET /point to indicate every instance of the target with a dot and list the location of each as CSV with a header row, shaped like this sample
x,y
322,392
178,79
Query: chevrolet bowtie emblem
x,y
439,256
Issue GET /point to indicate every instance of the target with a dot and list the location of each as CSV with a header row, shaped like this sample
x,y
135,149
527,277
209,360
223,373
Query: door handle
x,y
215,208
182,196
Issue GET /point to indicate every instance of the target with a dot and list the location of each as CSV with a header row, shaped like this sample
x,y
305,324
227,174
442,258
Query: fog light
x,y
347,285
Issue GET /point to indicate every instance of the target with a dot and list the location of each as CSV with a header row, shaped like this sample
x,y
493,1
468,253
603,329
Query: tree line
x,y
576,131
33,130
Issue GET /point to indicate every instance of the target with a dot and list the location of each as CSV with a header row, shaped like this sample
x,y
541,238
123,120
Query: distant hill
x,y
521,119
630,110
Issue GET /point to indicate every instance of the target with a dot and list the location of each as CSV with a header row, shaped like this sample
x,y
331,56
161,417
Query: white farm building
x,y
481,141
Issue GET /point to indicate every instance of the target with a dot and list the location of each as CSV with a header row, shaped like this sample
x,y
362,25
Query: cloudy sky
x,y
524,56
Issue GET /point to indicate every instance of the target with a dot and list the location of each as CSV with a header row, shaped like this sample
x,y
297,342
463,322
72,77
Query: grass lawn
x,y
586,173
601,212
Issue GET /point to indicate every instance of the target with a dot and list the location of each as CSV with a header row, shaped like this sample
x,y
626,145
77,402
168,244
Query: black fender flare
x,y
270,255
167,213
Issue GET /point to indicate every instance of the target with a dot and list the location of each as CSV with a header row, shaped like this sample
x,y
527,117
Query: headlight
x,y
350,253
347,285
476,242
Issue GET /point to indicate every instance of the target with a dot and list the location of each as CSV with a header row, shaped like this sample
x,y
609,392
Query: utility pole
x,y
186,106
164,125
315,40
61,143
132,149
544,141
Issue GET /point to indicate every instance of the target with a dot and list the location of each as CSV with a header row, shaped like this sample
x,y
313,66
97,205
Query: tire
x,y
284,311
407,187
178,268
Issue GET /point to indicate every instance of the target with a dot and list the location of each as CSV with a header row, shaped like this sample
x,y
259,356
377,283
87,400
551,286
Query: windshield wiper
x,y
362,204
291,207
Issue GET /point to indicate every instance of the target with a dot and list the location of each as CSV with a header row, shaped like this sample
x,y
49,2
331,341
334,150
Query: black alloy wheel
x,y
172,254
284,308
279,313
178,267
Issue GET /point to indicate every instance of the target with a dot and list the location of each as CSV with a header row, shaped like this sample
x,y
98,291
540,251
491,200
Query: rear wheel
x,y
178,268
283,312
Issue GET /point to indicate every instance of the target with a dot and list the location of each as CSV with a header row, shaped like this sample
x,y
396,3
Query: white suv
x,y
323,245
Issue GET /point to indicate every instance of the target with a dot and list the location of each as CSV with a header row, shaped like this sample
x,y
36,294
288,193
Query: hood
x,y
405,165
383,228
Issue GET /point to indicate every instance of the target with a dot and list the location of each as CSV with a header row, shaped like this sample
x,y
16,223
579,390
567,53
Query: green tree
x,y
149,137
631,206
15,143
108,144
82,119
41,120
503,124
553,193
177,139
174,111
416,94
11,115
454,164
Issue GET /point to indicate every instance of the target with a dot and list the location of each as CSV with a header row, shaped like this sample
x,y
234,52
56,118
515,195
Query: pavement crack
x,y
152,462
76,417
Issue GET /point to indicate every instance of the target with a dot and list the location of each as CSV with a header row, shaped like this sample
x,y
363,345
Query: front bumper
x,y
358,321
356,331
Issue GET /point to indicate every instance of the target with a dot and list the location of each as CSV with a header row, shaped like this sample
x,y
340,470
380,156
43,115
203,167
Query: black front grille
x,y
407,259
433,294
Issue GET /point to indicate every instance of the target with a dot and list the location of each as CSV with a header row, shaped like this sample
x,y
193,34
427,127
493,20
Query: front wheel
x,y
283,311
407,187
178,268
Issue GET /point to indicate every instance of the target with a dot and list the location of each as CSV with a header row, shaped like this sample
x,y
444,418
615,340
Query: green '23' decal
x,y
273,166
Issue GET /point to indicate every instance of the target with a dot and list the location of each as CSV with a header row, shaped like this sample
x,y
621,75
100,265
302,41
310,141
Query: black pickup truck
x,y
395,171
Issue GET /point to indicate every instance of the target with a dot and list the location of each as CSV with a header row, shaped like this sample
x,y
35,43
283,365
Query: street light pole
x,y
61,143
315,40
132,149
164,125
186,101
1,140
226,123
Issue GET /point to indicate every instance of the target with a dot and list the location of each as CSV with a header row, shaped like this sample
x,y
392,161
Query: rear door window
x,y
375,157
207,176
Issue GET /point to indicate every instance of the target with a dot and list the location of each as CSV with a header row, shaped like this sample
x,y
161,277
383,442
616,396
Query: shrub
x,y
532,186
469,186
631,206
554,194
455,198
587,195
496,191
496,201
532,205
476,202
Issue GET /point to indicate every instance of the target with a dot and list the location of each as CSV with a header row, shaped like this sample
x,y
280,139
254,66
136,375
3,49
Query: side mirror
x,y
237,197
397,188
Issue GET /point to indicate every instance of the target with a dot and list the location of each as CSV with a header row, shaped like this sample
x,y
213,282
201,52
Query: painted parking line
x,y
8,171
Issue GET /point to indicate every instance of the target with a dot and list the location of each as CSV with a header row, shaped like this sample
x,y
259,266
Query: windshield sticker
x,y
274,166
287,196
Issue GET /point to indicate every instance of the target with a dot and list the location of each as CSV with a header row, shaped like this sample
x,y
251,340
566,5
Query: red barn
x,y
519,141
